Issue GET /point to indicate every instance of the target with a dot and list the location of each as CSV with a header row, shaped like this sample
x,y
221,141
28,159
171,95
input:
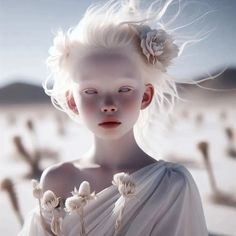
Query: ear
x,y
147,96
71,102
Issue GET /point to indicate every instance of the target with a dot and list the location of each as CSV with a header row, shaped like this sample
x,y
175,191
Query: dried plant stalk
x,y
199,119
8,186
31,160
30,125
22,150
204,149
229,133
231,152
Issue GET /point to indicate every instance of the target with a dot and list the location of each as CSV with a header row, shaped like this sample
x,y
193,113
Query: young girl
x,y
110,74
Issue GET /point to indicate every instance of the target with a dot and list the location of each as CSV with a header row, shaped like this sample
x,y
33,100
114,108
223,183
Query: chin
x,y
111,134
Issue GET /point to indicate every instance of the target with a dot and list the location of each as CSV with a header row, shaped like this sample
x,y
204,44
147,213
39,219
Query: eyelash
x,y
129,89
95,92
86,91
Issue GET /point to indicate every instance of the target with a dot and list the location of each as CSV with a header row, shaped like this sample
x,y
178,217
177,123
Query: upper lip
x,y
109,121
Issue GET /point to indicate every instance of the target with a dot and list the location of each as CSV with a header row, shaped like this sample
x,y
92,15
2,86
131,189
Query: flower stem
x,y
82,233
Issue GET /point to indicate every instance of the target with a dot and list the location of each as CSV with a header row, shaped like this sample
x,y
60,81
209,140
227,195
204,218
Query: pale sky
x,y
26,28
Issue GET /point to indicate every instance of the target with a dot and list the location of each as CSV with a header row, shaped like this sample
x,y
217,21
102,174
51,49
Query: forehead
x,y
106,64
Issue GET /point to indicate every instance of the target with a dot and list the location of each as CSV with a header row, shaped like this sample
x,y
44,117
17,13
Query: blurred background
x,y
201,132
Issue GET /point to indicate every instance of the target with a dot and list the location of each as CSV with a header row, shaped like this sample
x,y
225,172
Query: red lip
x,y
110,124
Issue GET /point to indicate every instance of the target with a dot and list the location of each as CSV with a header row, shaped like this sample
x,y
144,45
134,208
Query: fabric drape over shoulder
x,y
166,203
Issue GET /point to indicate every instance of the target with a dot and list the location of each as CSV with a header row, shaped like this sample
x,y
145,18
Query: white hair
x,y
108,26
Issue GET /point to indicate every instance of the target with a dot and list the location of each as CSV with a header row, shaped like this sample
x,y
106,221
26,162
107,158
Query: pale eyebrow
x,y
126,80
118,81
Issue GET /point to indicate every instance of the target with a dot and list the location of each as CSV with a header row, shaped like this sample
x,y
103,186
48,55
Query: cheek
x,y
132,102
86,106
131,108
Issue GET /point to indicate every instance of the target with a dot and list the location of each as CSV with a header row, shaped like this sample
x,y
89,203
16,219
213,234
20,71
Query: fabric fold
x,y
166,202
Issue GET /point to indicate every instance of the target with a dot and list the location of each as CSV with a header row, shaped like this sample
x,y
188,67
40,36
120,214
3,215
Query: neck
x,y
121,153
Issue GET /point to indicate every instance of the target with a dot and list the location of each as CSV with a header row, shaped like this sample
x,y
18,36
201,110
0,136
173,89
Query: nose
x,y
109,108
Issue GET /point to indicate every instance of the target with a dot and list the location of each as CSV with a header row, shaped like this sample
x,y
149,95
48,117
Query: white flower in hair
x,y
124,183
157,45
50,200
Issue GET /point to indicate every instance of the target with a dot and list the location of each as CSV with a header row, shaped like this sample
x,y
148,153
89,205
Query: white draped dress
x,y
166,203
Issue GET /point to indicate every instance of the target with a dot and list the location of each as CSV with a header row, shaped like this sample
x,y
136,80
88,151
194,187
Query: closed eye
x,y
90,91
125,89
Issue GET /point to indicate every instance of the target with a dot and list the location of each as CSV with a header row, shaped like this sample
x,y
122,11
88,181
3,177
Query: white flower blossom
x,y
84,191
124,183
77,202
49,201
37,190
79,197
126,187
157,45
74,204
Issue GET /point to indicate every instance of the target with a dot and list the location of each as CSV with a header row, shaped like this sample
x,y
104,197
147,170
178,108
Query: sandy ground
x,y
178,144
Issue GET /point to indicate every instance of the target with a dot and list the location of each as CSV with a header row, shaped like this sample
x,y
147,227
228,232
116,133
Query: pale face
x,y
108,86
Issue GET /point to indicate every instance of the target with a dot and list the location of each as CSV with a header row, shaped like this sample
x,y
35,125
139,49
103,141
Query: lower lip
x,y
110,125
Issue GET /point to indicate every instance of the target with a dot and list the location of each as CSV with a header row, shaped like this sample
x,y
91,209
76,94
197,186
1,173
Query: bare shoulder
x,y
61,179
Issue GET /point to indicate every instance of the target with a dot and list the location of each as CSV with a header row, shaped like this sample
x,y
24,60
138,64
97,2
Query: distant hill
x,y
223,87
225,80
22,93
